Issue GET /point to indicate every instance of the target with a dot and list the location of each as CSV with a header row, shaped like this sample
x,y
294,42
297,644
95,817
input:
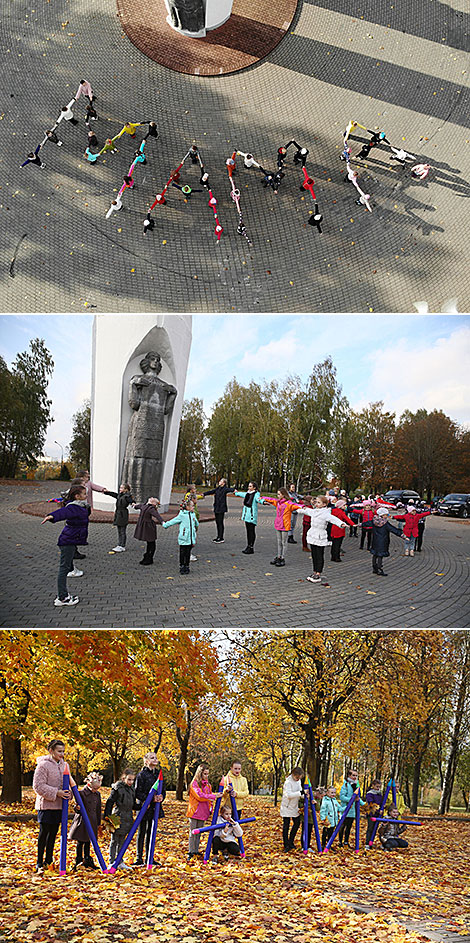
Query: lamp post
x,y
62,452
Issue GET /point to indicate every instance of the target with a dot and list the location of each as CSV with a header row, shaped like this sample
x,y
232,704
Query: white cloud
x,y
276,357
418,375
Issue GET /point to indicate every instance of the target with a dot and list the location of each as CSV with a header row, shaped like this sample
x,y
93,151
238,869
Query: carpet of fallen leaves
x,y
270,896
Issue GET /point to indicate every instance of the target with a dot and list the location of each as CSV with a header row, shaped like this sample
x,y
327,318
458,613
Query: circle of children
x,y
54,787
325,519
270,179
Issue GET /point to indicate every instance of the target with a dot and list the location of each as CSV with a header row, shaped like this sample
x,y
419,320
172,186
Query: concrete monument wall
x,y
120,342
194,17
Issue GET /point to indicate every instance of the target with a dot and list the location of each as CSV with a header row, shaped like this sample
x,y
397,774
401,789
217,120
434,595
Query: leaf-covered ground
x,y
271,896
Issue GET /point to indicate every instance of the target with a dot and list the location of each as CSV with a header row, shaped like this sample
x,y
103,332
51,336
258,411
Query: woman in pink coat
x,y
47,784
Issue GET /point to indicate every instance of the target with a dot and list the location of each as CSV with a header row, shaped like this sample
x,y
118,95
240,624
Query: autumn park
x,y
285,728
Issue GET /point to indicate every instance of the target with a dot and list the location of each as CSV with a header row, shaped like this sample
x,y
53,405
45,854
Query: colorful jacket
x,y
189,524
46,781
250,514
411,522
76,527
199,805
240,786
283,511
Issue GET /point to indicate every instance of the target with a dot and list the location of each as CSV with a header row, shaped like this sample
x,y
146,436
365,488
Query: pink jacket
x,y
47,780
284,510
85,89
90,487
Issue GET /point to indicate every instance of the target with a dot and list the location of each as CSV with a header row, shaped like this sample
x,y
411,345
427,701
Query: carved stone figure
x,y
151,399
188,15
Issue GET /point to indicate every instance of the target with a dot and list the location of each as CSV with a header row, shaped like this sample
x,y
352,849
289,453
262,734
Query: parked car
x,y
455,505
401,497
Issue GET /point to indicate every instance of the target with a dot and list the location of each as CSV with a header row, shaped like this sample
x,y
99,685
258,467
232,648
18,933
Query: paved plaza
x,y
403,67
226,588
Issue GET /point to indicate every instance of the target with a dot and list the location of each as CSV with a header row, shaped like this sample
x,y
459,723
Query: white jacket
x,y
316,533
291,794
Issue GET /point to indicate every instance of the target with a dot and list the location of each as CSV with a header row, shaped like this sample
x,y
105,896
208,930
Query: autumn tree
x,y
79,447
191,451
424,452
310,675
377,432
25,410
460,699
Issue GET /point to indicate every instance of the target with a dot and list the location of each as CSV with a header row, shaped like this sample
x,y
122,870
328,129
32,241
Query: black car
x,y
457,505
402,497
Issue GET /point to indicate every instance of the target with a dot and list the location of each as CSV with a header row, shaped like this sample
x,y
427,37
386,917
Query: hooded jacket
x,y
92,802
411,522
381,536
146,527
284,511
47,780
76,528
189,524
145,779
317,533
250,512
121,801
123,500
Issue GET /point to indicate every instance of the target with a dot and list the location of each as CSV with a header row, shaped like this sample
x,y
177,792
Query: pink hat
x,y
382,511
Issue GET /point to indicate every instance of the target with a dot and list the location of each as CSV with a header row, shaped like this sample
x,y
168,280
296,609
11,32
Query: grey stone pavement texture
x,y
226,588
401,66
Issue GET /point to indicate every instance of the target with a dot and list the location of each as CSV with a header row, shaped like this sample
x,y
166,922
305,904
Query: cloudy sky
x,y
408,361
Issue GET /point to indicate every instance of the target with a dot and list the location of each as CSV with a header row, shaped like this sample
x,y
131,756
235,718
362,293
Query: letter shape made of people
x,y
151,399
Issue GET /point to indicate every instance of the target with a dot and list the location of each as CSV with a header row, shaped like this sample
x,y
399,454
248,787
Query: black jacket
x,y
220,498
123,500
381,538
143,784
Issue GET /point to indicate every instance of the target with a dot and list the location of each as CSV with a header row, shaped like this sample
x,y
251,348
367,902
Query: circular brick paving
x,y
250,34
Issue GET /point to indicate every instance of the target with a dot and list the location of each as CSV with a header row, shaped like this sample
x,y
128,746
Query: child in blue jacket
x,y
187,533
75,514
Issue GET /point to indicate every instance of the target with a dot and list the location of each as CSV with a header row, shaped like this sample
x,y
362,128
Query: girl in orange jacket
x,y
282,522
199,806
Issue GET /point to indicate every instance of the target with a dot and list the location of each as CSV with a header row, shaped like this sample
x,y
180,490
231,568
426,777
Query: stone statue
x,y
188,15
151,399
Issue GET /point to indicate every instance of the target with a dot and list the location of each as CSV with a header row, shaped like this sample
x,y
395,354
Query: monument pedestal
x,y
224,35
119,343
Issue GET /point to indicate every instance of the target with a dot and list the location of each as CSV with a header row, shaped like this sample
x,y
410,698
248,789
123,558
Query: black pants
x,y
219,521
65,566
185,553
336,548
326,835
143,835
345,830
376,563
370,829
419,539
250,534
232,847
48,827
289,839
83,851
318,558
366,531
151,547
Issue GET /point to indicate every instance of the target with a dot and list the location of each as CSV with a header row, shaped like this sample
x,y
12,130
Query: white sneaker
x,y
124,867
314,579
75,572
118,549
68,601
192,558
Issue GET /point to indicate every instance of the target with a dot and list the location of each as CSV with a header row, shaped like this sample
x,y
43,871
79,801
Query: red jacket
x,y
411,523
340,531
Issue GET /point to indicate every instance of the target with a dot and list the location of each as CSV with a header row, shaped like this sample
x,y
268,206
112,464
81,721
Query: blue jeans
x,y
410,543
65,565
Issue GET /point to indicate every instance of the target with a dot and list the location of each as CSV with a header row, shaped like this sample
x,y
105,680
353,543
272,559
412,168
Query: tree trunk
x,y
11,788
455,736
415,786
183,740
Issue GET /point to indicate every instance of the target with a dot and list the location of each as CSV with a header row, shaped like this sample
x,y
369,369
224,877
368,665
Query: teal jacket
x,y
188,527
345,795
250,515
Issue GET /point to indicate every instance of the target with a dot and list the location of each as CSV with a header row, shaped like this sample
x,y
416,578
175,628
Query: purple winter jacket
x,y
76,527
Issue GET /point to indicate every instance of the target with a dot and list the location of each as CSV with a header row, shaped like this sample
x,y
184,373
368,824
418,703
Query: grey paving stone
x,y
427,591
401,66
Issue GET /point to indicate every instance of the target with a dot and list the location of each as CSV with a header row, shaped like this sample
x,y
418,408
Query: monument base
x,y
248,35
